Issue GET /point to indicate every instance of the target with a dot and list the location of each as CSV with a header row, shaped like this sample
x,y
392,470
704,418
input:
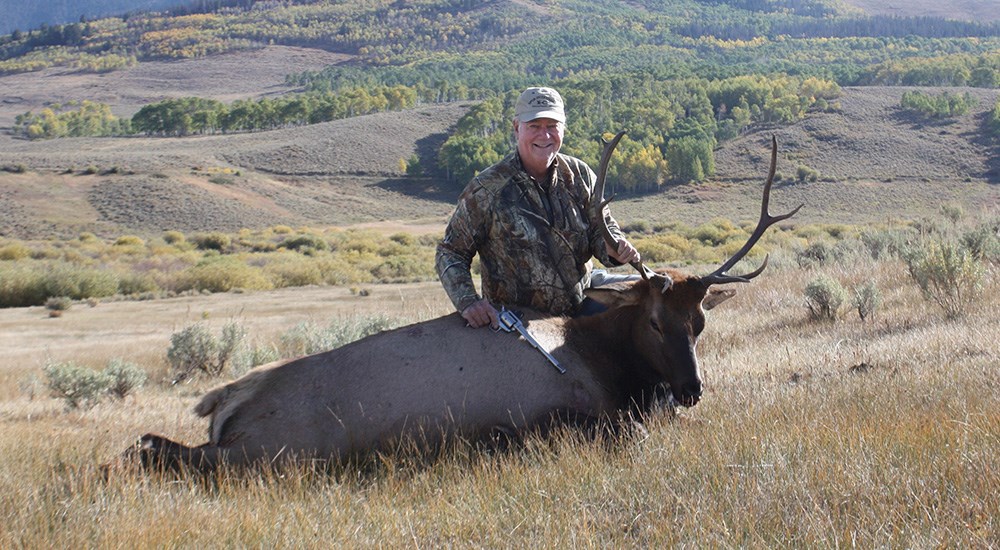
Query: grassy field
x,y
883,432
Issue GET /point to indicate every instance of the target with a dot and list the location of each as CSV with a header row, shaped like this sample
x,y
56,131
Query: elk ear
x,y
716,297
613,296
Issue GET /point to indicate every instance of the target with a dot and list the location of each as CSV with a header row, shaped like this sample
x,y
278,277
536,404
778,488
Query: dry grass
x,y
791,446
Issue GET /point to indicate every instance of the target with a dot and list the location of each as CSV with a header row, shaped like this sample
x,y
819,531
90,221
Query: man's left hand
x,y
625,254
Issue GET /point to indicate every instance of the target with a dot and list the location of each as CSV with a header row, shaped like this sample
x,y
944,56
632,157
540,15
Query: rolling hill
x,y
874,164
873,161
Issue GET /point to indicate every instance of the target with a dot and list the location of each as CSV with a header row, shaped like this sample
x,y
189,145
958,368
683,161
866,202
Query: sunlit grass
x,y
873,433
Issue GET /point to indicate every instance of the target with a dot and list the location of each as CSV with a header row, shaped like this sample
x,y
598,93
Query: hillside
x,y
874,163
227,77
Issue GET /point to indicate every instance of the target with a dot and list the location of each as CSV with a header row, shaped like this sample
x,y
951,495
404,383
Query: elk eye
x,y
654,325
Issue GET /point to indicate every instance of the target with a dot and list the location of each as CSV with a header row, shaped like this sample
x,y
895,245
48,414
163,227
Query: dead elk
x,y
438,379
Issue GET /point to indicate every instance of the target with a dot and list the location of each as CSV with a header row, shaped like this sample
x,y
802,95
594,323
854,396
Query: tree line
x,y
674,126
73,119
709,39
944,105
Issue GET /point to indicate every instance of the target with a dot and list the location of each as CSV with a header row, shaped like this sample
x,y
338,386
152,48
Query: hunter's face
x,y
538,141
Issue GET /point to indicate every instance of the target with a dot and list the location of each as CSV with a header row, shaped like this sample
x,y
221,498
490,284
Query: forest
x,y
695,73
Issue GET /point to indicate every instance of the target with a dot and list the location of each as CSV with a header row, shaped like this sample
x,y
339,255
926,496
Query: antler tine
x,y
766,220
602,172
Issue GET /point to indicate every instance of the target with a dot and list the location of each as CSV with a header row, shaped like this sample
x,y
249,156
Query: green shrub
x,y
824,297
717,232
46,253
805,173
939,106
16,168
79,283
132,284
886,243
191,350
75,384
307,338
21,285
57,305
253,356
946,272
231,341
983,243
129,240
195,350
174,237
14,252
79,385
222,274
654,251
817,253
296,271
638,226
212,241
406,268
953,212
305,241
123,377
867,299
404,239
31,283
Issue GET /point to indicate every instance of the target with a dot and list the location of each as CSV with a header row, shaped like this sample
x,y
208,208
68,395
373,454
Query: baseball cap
x,y
539,103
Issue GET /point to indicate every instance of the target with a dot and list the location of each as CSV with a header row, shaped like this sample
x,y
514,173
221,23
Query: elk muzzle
x,y
687,395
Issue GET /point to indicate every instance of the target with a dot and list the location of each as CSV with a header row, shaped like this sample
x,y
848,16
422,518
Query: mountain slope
x,y
874,164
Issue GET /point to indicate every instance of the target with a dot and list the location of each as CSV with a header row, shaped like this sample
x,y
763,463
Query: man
x,y
529,219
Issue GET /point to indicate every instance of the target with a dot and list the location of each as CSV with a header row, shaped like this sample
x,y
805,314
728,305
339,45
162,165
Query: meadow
x,y
814,431
851,391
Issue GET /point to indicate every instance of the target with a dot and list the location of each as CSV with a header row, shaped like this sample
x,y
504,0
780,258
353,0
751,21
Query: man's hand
x,y
480,314
625,254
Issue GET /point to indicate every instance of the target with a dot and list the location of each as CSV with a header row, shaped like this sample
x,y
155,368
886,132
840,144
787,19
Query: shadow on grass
x,y
433,185
989,139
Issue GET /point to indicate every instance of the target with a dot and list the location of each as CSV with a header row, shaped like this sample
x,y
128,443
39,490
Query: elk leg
x,y
154,451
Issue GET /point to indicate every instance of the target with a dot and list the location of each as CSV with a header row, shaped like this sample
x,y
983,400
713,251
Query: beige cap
x,y
539,103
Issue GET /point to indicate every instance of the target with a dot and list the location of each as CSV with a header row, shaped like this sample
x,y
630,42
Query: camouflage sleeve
x,y
453,260
595,237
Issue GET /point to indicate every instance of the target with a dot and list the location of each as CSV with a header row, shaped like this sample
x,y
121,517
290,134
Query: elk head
x,y
668,307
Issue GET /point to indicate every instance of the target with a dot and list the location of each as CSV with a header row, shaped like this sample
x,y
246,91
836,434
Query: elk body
x,y
436,379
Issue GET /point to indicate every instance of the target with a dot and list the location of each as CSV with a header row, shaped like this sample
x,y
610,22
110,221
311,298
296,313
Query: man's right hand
x,y
480,314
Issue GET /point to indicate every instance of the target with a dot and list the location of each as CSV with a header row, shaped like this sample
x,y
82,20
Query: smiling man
x,y
529,219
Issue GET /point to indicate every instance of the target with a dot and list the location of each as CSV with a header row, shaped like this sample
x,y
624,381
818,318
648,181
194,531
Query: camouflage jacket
x,y
534,241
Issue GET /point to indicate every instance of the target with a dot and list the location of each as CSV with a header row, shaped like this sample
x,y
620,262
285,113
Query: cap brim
x,y
554,115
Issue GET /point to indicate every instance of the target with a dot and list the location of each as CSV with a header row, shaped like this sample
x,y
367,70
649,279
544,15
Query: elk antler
x,y
719,276
602,172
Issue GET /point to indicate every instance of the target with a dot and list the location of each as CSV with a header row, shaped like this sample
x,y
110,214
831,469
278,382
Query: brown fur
x,y
438,379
